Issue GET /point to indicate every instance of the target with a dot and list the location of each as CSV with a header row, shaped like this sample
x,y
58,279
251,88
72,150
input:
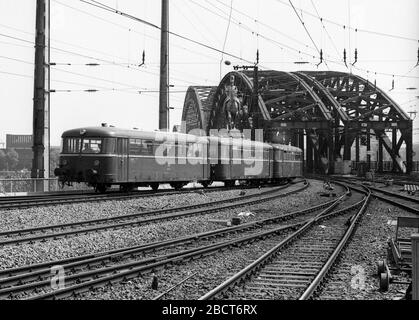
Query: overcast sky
x,y
82,34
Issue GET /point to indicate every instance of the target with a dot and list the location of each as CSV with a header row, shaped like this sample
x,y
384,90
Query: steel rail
x,y
388,200
184,212
120,217
332,259
396,203
36,271
14,202
134,270
396,195
269,255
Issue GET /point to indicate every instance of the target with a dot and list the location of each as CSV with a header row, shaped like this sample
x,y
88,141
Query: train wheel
x,y
177,185
230,183
126,187
381,267
101,188
154,186
205,184
384,281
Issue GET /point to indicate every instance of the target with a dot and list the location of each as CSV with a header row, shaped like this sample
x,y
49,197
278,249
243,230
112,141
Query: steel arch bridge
x,y
330,115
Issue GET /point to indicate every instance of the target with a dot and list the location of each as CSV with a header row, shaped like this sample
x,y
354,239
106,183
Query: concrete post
x,y
164,68
415,266
41,100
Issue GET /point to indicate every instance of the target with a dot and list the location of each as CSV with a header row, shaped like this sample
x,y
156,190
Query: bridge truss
x,y
330,115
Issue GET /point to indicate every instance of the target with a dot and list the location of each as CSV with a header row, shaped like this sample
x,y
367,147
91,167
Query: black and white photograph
x,y
209,158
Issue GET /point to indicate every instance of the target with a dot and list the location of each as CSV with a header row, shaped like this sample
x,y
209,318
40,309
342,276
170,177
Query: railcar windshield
x,y
88,145
71,145
91,145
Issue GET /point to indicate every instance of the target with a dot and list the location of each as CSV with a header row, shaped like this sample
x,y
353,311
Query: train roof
x,y
239,142
112,132
285,147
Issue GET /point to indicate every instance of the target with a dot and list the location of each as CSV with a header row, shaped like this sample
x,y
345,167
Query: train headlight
x,y
96,163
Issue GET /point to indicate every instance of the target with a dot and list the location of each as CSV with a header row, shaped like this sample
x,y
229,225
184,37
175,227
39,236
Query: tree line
x,y
9,159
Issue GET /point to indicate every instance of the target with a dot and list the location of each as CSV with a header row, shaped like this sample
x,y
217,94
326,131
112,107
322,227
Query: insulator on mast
x,y
321,58
356,56
392,84
143,59
344,57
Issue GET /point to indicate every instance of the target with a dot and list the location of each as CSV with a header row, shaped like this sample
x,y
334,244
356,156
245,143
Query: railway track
x,y
397,179
405,202
408,203
18,202
295,267
36,277
41,233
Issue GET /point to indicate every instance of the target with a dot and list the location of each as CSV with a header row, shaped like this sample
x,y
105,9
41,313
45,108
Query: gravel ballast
x,y
355,275
13,256
66,213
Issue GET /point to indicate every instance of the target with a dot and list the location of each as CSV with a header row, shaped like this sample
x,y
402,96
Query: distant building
x,y
22,144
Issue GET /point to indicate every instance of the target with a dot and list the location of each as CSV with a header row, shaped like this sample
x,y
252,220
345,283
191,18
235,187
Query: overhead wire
x,y
129,16
143,34
250,30
325,29
309,35
226,35
110,62
352,28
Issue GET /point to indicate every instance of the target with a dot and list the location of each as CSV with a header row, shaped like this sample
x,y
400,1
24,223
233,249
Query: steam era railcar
x,y
288,162
239,159
106,156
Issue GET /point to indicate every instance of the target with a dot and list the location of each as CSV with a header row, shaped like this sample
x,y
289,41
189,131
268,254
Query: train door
x,y
122,151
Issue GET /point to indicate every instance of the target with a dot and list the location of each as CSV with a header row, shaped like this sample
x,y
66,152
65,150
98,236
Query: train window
x,y
140,147
135,146
147,147
181,150
237,153
169,150
91,146
247,153
224,153
71,145
109,145
194,150
213,152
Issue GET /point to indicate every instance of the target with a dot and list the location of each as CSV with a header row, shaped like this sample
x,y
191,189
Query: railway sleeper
x,y
281,281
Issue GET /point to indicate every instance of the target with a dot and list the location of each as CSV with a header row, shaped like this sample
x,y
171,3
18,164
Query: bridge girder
x,y
331,110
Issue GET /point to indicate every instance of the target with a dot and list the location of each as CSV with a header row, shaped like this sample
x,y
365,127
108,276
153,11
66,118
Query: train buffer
x,y
411,188
399,254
